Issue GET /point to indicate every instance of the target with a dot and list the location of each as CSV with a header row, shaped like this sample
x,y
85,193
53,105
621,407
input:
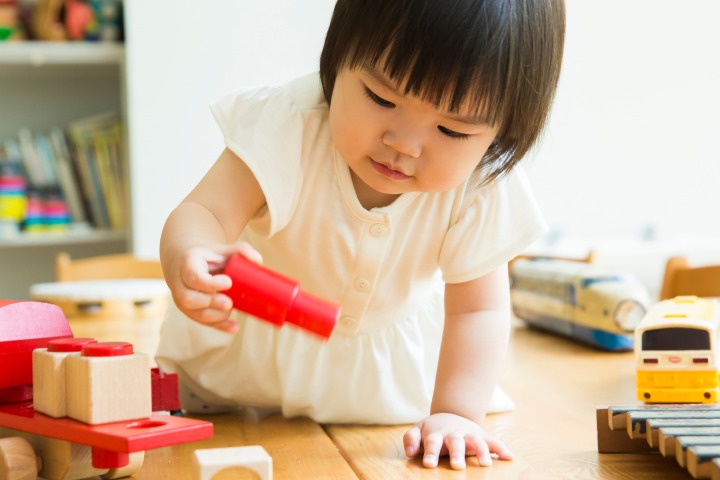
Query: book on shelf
x,y
82,165
97,143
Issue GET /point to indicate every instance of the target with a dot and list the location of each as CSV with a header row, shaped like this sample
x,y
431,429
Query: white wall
x,y
632,141
182,56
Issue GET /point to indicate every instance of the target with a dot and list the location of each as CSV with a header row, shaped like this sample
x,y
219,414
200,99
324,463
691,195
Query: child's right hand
x,y
196,278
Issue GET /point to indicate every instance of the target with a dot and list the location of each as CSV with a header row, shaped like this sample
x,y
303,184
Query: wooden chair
x,y
682,279
109,297
105,267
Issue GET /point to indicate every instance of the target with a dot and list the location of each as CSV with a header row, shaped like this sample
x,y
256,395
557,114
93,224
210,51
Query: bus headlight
x,y
628,314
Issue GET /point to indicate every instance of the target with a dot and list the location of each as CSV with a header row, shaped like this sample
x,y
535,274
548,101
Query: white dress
x,y
385,267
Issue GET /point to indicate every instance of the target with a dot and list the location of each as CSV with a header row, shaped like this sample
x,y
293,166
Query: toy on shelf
x,y
578,300
92,411
265,294
676,352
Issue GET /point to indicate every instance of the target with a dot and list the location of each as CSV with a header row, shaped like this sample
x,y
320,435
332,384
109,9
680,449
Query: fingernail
x,y
457,461
230,327
409,451
486,460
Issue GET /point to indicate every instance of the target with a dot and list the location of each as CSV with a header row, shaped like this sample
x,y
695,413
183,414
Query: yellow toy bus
x,y
676,352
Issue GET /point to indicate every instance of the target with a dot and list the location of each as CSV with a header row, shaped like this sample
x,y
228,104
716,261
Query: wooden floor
x,y
556,383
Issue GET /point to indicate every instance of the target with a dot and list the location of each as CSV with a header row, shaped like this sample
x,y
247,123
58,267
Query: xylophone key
x,y
700,459
653,426
691,433
667,442
715,469
685,442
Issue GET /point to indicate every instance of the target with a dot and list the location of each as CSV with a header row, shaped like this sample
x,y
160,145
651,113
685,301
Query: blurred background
x,y
627,167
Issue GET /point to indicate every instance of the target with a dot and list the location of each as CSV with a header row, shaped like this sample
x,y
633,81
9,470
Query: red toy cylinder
x,y
314,314
259,291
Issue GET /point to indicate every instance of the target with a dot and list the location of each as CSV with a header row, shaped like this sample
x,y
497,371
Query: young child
x,y
386,183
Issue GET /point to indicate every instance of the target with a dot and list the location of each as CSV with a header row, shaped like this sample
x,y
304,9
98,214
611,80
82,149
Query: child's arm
x,y
475,337
200,234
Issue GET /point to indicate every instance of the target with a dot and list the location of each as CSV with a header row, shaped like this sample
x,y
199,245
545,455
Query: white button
x,y
348,322
362,284
379,230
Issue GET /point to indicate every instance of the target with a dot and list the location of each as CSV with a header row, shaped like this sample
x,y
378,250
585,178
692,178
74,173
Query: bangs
x,y
496,60
464,70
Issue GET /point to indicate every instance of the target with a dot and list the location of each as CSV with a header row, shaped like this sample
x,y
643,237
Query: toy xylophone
x,y
689,433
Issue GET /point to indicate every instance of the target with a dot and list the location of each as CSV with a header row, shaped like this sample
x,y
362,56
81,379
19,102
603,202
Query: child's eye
x,y
377,99
452,133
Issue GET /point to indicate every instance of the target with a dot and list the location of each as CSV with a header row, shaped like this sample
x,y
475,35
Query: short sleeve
x,y
264,128
495,224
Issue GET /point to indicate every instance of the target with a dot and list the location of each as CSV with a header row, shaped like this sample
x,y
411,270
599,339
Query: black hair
x,y
503,56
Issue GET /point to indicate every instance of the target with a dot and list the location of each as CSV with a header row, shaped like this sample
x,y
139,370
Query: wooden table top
x,y
555,383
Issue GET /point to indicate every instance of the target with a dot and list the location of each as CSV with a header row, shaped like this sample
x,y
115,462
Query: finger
x,y
455,444
411,441
475,443
497,447
190,299
432,445
248,251
215,319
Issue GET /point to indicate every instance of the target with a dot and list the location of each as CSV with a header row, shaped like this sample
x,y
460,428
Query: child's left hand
x,y
453,435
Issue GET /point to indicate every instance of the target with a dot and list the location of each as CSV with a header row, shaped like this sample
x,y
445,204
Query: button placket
x,y
369,258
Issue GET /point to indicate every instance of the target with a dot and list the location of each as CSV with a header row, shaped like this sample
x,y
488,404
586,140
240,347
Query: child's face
x,y
395,143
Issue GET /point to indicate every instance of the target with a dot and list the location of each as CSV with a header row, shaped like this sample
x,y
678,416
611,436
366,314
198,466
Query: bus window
x,y
676,338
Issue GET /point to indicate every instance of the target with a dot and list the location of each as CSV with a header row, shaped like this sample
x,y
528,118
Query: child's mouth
x,y
387,171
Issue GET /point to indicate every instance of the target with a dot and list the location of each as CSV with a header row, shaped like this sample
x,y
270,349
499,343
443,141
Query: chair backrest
x,y
682,279
105,267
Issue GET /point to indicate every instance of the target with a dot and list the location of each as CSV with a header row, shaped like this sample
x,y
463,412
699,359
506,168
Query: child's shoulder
x,y
303,92
306,92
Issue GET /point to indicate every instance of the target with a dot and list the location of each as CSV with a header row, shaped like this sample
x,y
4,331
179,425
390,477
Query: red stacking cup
x,y
266,294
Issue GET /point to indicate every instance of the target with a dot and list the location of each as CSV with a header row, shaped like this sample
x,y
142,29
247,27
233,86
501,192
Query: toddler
x,y
387,183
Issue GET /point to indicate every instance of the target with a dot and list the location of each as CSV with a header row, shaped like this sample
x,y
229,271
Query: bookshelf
x,y
44,85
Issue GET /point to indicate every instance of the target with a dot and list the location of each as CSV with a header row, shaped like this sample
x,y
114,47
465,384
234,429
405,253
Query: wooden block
x,y
700,459
49,379
208,462
108,383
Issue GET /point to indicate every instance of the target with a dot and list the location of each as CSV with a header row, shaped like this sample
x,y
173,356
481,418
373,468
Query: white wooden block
x,y
49,379
108,388
208,462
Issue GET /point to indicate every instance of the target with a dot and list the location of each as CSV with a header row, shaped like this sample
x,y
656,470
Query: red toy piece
x,y
25,326
266,294
111,442
165,392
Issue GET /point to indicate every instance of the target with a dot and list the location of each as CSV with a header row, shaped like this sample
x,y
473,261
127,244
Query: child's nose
x,y
403,140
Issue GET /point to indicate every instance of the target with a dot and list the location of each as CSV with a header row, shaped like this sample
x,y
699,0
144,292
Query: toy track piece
x,y
18,460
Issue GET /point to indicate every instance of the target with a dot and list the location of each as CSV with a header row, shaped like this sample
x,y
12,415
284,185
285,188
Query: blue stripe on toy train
x,y
591,336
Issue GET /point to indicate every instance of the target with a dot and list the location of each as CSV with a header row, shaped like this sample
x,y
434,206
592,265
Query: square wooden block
x,y
104,389
208,462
